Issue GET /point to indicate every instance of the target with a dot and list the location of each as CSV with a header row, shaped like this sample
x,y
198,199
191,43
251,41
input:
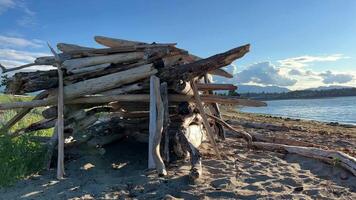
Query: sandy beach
x,y
119,170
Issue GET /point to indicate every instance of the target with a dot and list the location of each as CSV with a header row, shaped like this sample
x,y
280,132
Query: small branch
x,y
244,134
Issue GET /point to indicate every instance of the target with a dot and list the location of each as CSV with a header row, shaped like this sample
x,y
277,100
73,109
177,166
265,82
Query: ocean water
x,y
338,109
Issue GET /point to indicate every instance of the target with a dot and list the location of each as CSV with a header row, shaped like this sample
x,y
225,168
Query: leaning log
x,y
215,86
131,98
199,68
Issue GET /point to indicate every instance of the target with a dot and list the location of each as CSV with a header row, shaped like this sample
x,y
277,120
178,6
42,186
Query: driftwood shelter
x,y
155,92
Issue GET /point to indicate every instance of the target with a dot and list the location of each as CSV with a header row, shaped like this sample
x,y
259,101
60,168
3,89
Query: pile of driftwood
x,y
155,92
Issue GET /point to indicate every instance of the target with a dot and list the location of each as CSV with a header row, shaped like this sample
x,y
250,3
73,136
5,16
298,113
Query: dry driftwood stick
x,y
66,48
127,98
152,122
215,86
6,70
243,134
21,113
161,169
329,156
113,42
199,68
166,120
78,63
205,120
60,119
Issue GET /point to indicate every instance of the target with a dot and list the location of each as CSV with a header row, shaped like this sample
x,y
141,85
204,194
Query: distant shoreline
x,y
304,98
302,94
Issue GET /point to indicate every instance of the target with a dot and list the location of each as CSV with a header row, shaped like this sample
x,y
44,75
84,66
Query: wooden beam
x,y
60,118
152,122
132,98
97,60
161,169
166,120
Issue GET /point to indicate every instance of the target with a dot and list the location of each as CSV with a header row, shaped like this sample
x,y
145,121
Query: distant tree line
x,y
298,94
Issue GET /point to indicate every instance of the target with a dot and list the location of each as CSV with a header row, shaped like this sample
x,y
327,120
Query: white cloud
x,y
264,73
303,61
330,77
16,42
19,56
5,5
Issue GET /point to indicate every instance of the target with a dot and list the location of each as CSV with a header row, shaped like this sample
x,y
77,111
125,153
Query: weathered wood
x,y
160,167
60,119
153,122
166,121
205,120
329,156
199,68
221,72
113,42
78,63
6,70
215,86
90,68
66,48
24,82
131,97
124,89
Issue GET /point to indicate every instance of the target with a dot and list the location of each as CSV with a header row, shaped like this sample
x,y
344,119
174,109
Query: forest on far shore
x,y
298,94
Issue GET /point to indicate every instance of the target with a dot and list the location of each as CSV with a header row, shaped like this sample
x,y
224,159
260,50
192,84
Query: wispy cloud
x,y
303,61
16,42
5,5
26,16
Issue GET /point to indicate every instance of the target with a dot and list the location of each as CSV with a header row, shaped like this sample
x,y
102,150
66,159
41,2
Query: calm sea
x,y
339,109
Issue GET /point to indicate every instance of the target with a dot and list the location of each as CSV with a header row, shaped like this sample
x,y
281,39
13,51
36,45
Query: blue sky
x,y
295,44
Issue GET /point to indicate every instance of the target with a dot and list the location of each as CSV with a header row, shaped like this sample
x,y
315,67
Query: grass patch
x,y
20,157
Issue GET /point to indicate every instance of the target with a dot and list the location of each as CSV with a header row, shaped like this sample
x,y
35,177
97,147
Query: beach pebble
x,y
221,183
344,176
